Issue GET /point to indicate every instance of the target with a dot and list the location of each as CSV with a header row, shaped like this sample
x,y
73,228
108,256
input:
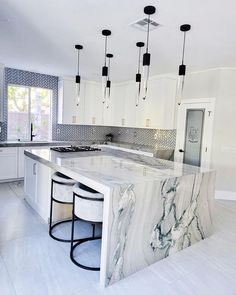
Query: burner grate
x,y
71,149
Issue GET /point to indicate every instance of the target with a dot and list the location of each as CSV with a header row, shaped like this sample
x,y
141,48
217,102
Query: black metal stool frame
x,y
84,240
52,226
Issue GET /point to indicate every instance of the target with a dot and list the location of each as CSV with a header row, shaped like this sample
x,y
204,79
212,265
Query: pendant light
x,y
182,68
105,33
138,75
108,85
148,10
77,77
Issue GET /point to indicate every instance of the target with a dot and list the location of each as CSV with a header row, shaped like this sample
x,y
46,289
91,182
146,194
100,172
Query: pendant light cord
x,y
183,52
105,61
139,60
148,33
78,63
109,63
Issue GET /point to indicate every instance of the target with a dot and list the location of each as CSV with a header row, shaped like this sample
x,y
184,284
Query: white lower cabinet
x,y
38,191
8,163
30,178
37,187
21,158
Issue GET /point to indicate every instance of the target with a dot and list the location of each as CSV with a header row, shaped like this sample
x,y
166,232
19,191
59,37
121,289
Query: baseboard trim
x,y
225,195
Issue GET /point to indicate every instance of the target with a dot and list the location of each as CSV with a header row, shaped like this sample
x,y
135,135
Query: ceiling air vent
x,y
141,24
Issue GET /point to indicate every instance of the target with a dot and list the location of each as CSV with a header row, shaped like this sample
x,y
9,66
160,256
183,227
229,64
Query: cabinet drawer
x,y
7,151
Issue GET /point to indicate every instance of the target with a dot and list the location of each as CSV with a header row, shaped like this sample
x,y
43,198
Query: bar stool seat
x,y
62,193
88,206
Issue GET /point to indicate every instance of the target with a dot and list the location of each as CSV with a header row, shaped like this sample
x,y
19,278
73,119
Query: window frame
x,y
29,111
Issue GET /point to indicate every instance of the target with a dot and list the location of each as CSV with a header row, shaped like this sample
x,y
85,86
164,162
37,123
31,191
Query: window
x,y
26,106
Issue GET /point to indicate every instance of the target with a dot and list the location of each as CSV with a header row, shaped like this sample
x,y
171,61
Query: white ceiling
x,y
40,35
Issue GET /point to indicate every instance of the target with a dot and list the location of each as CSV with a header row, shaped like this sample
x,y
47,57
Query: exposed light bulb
x,y
104,84
108,93
180,88
137,93
78,93
145,80
137,89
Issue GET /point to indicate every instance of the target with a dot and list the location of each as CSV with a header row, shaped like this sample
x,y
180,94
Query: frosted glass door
x,y
193,136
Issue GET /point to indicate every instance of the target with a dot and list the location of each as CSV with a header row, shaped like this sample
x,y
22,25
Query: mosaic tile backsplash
x,y
162,139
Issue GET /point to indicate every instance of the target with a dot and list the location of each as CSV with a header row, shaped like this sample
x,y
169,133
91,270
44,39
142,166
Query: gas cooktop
x,y
70,149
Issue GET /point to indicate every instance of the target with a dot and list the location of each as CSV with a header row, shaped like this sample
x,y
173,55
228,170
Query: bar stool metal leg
x,y
51,225
81,241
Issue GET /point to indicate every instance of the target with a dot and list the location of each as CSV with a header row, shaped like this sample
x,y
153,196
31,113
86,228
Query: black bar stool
x,y
88,206
62,193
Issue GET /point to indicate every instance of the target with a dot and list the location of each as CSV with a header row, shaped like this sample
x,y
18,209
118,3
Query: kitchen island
x,y
152,208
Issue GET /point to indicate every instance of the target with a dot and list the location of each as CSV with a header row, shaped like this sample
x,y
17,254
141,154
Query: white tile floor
x,y
31,263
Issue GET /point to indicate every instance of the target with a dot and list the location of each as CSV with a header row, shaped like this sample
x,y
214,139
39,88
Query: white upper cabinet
x,y
118,104
108,110
157,111
69,112
123,105
93,107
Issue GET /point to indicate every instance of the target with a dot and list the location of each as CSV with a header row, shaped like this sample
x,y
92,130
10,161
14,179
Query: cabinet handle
x,y
93,120
73,119
147,122
34,169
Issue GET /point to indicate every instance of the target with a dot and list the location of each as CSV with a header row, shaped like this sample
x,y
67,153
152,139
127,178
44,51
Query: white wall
x,y
221,84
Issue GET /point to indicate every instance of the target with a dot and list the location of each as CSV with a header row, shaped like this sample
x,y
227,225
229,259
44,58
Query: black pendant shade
x,y
182,67
138,77
77,77
105,33
148,10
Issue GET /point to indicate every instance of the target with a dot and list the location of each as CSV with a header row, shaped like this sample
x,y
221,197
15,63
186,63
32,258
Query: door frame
x,y
202,103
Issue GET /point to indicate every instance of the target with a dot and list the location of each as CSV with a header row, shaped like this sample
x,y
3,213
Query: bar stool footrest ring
x,y
81,241
60,239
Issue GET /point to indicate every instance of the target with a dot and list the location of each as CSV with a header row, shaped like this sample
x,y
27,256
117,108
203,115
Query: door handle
x,y
181,151
34,169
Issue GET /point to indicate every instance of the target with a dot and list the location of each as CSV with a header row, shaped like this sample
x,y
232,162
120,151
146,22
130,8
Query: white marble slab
x,y
152,208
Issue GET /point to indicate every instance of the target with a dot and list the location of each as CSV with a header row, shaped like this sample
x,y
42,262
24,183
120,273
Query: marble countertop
x,y
112,167
43,143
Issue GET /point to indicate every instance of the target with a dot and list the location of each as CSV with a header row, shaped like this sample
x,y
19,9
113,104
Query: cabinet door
x,y
157,111
21,162
43,191
118,103
21,158
30,178
8,163
69,111
108,110
93,104
129,104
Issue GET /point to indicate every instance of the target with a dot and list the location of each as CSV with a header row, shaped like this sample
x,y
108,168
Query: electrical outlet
x,y
58,131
